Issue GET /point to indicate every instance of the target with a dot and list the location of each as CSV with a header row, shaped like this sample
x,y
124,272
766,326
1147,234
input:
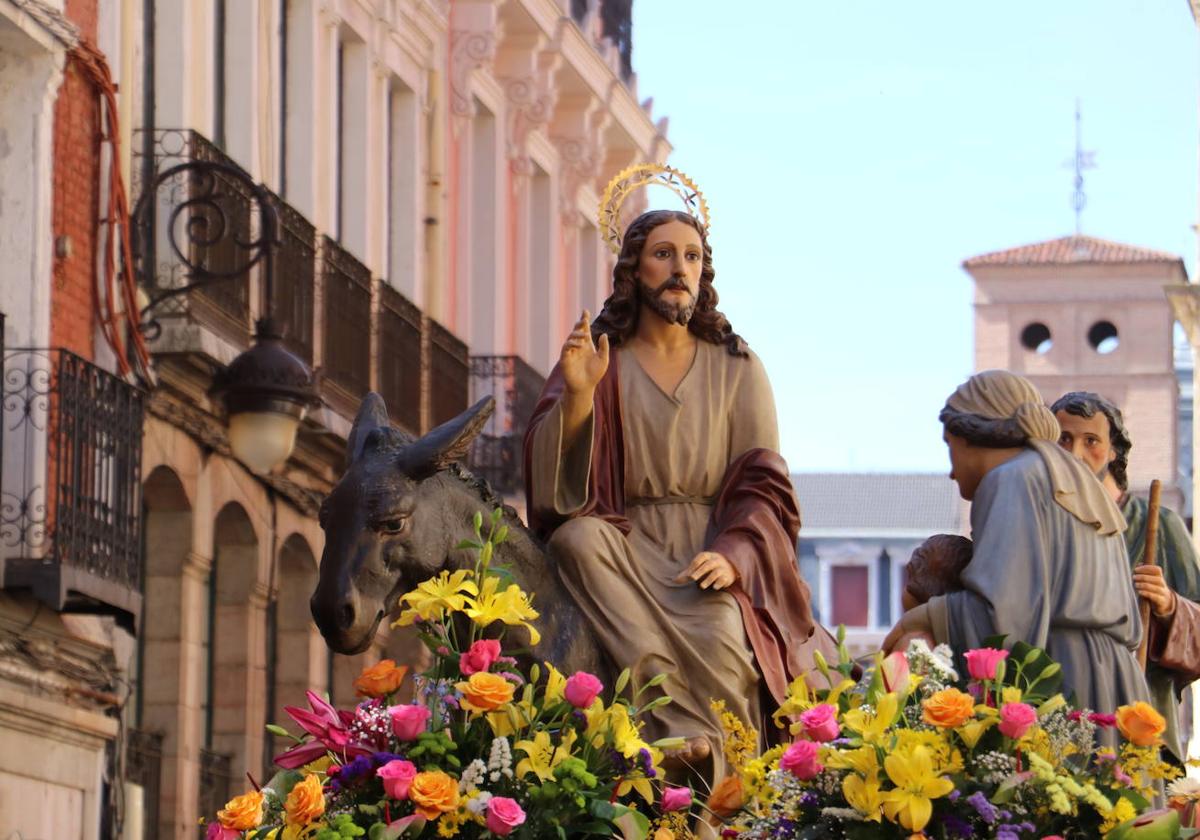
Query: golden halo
x,y
641,175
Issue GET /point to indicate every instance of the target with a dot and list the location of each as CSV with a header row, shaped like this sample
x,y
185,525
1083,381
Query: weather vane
x,y
1083,160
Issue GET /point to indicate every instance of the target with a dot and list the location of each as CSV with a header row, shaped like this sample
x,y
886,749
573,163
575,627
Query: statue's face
x,y
1088,439
669,271
966,468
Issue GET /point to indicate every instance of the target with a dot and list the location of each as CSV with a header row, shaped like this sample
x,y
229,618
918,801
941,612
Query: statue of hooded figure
x,y
1050,566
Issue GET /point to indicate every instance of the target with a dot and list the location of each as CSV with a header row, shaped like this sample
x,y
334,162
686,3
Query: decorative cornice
x,y
208,432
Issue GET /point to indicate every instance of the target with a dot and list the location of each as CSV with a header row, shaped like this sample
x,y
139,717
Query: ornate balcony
x,y
201,224
346,285
295,280
216,782
400,358
70,491
497,452
450,374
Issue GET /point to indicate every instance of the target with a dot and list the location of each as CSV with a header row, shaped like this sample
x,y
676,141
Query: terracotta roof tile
x,y
1071,250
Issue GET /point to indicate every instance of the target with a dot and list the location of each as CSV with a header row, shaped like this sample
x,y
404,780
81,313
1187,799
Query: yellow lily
x,y
555,683
917,785
541,757
863,796
432,599
510,606
873,726
864,761
972,731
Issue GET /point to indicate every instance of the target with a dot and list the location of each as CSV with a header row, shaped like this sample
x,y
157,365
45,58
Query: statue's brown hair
x,y
619,317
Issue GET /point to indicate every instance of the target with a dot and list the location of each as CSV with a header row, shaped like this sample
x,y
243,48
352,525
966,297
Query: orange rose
x,y
948,708
1141,724
727,797
380,679
305,803
242,812
485,692
434,793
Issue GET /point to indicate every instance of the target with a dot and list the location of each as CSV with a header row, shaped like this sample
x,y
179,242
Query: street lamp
x,y
267,389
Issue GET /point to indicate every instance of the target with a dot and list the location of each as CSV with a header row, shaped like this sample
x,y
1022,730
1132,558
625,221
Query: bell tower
x,y
1085,314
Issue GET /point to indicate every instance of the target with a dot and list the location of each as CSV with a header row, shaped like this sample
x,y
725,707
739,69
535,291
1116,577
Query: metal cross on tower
x,y
1083,160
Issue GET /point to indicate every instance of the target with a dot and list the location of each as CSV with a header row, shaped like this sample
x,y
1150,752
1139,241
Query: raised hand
x,y
583,362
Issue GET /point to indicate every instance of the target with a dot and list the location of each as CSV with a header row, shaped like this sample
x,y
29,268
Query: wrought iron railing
x,y
216,782
70,494
295,280
203,224
497,453
346,288
449,374
400,358
143,767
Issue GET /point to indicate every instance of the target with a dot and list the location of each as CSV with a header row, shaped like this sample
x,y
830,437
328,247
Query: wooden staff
x,y
1149,558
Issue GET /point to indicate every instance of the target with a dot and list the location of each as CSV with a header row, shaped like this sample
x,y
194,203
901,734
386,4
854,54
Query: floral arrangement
x,y
483,750
914,750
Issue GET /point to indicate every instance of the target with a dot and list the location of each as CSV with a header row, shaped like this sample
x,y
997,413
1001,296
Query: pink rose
x,y
820,723
894,671
676,798
1016,718
479,657
801,760
581,689
397,778
985,663
216,831
503,815
408,721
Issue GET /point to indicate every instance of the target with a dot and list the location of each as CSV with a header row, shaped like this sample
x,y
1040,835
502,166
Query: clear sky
x,y
853,154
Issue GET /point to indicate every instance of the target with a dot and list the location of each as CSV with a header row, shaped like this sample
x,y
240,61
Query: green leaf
x,y
465,544
634,825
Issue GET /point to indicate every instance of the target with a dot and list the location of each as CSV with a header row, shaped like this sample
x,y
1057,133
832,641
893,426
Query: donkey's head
x,y
385,522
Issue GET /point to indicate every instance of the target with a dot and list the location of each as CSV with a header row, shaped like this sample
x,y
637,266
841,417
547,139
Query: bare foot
x,y
694,750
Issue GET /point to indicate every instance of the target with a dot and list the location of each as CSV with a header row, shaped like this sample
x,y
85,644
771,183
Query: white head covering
x,y
1000,395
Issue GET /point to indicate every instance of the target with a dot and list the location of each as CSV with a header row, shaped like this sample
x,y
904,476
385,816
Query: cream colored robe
x,y
677,450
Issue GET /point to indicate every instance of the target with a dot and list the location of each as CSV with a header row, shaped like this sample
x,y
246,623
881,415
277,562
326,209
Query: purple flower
x,y
1012,831
956,826
986,810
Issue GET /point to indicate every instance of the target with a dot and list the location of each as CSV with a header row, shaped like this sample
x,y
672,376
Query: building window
x,y
1036,338
850,595
1103,337
402,188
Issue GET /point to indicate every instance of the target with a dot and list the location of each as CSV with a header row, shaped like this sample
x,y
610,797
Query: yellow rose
x,y
433,793
1140,723
948,708
380,679
485,692
305,803
242,812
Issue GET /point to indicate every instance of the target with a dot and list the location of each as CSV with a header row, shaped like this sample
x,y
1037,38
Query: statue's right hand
x,y
583,362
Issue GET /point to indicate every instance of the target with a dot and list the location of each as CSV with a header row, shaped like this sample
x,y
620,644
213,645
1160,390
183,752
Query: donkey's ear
x,y
372,416
447,443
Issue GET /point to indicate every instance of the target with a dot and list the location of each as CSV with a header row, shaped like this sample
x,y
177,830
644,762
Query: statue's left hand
x,y
913,624
709,568
1149,582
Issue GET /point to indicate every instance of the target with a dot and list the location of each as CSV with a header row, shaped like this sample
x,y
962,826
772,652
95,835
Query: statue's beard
x,y
673,312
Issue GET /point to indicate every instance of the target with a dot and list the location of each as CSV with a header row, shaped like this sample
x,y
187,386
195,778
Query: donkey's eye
x,y
392,527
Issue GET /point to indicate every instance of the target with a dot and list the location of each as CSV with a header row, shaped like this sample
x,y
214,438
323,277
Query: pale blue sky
x,y
854,153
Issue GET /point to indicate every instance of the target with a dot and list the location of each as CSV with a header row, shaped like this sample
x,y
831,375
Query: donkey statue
x,y
394,519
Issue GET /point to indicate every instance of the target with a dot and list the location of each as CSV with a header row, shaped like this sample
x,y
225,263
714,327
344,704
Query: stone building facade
x,y
1084,314
435,166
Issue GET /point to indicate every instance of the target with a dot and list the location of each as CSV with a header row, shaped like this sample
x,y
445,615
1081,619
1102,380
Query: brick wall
x,y
76,199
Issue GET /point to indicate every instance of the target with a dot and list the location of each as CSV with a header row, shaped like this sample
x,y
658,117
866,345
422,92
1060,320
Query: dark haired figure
x,y
652,464
1049,566
1094,431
